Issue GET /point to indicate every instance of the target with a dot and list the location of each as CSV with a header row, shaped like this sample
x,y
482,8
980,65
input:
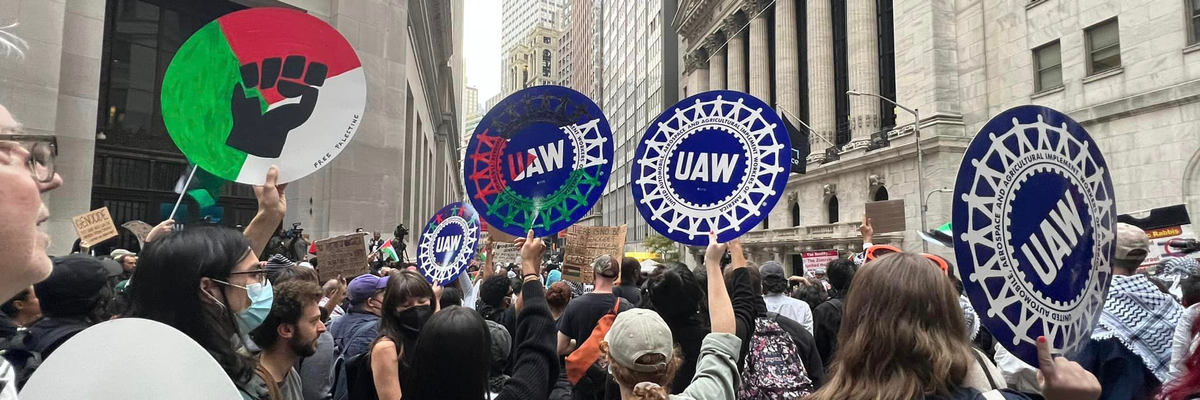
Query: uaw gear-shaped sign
x,y
448,242
717,161
1034,223
538,160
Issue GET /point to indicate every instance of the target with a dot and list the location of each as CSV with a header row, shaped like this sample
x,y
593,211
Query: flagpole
x,y
184,191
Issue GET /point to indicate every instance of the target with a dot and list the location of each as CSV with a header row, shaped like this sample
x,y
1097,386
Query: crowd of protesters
x,y
887,326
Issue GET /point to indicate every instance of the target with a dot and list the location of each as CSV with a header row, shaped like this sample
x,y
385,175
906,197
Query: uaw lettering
x,y
447,243
1060,232
706,167
536,161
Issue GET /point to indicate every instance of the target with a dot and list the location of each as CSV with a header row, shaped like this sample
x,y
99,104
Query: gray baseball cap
x,y
638,332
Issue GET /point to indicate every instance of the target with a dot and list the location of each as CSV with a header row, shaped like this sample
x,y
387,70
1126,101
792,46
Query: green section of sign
x,y
196,101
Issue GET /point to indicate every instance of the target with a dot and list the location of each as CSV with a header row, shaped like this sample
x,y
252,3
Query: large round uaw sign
x,y
717,161
1034,221
263,87
538,160
447,243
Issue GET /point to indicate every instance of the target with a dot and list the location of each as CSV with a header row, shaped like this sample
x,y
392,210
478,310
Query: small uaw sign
x,y
714,162
585,243
94,227
344,255
1034,222
447,244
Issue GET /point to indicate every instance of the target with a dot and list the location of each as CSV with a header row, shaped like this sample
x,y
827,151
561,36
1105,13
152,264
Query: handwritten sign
x,y
504,253
886,216
139,229
94,227
344,255
585,243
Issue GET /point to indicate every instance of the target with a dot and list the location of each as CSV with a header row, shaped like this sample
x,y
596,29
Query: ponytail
x,y
649,391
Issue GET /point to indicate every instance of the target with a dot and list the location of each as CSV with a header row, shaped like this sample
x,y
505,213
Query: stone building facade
x,y
91,78
1128,70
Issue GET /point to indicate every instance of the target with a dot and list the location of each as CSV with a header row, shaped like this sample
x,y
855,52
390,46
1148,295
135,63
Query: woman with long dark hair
x,y
408,303
205,282
913,343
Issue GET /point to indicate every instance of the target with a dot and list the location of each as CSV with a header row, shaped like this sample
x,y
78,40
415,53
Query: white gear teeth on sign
x,y
983,208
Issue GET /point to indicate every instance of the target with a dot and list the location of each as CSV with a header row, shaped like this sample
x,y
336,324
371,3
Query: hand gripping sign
x,y
447,244
1034,220
263,87
538,160
717,161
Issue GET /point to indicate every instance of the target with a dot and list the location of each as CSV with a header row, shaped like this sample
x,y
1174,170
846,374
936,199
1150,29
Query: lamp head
x,y
853,93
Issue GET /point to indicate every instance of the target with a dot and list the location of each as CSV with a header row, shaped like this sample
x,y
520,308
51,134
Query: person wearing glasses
x,y
26,171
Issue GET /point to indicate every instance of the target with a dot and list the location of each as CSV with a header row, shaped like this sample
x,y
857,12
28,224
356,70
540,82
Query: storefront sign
x,y
585,243
714,162
263,87
94,227
344,255
1034,221
448,242
538,160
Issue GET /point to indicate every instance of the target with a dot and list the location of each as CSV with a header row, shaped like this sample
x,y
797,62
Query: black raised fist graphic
x,y
263,134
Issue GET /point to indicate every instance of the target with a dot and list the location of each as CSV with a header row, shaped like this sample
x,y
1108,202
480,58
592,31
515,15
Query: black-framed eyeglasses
x,y
42,151
256,275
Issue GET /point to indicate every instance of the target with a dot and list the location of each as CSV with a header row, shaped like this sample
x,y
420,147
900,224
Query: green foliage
x,y
667,249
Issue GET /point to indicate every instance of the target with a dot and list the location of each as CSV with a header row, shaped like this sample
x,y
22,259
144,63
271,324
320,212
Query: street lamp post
x,y
920,157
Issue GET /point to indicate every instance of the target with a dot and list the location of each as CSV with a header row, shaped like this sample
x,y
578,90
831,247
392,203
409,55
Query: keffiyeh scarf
x,y
1173,271
1143,319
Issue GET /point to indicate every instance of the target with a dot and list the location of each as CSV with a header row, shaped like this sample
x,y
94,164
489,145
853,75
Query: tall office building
x,y
640,78
582,47
520,18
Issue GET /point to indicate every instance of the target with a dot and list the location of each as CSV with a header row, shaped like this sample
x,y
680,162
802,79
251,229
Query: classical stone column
x,y
787,61
864,68
715,46
736,73
760,50
820,72
696,69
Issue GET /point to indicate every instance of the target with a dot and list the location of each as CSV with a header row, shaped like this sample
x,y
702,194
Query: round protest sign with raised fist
x,y
1034,222
538,160
447,244
714,162
263,87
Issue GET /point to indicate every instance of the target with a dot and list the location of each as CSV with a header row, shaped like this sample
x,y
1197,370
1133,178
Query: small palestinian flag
x,y
942,236
388,252
262,87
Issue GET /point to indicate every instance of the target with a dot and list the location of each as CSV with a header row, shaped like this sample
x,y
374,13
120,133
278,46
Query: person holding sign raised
x,y
912,343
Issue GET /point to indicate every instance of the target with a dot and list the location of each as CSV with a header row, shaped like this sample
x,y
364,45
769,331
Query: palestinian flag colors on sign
x,y
263,87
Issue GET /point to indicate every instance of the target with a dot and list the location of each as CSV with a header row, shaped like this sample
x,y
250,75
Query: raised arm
x,y
272,206
720,308
489,262
536,362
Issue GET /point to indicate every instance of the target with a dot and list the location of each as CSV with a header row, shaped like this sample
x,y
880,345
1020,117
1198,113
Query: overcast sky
x,y
481,46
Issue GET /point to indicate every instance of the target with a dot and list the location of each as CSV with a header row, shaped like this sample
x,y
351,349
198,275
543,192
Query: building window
x,y
1047,59
795,214
1104,47
832,209
546,39
881,194
887,62
546,63
1194,21
841,73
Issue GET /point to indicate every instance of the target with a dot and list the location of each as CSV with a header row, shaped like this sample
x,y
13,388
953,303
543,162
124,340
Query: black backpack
x,y
23,358
353,378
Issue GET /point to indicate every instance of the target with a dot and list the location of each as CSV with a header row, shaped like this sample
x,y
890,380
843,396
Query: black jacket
x,y
48,333
827,320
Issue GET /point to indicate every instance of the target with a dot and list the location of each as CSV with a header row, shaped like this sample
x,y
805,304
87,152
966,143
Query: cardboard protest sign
x,y
1034,222
139,229
131,359
886,216
344,255
448,242
1163,225
538,160
94,227
263,87
714,162
817,259
504,253
585,243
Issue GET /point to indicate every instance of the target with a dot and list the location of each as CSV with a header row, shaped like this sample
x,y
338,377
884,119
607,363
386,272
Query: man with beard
x,y
289,333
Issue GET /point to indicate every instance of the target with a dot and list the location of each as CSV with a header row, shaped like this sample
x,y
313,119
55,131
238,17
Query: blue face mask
x,y
261,297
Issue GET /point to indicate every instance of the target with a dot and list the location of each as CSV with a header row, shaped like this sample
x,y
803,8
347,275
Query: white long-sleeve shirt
x,y
797,310
1183,344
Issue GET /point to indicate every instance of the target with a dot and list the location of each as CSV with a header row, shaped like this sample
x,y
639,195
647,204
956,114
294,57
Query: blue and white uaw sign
x,y
717,161
538,160
1034,223
448,242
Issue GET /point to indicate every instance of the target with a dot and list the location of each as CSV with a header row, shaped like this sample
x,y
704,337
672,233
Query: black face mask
x,y
412,319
